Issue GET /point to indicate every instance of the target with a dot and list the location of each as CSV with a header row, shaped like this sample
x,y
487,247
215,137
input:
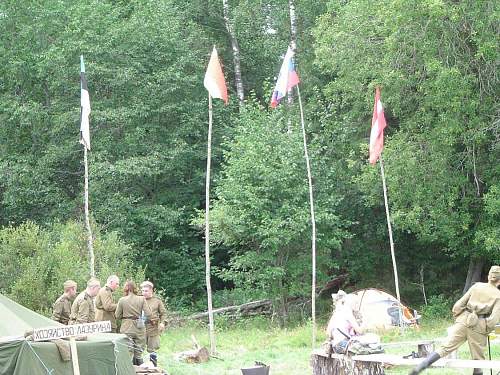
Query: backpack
x,y
366,344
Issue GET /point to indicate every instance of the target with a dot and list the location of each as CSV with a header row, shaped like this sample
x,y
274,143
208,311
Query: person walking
x,y
156,325
104,304
61,309
133,310
476,314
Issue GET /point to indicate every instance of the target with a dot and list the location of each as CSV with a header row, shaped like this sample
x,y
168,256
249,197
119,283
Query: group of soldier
x,y
142,314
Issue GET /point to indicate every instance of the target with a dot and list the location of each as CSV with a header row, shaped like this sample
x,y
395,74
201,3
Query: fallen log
x,y
250,308
334,283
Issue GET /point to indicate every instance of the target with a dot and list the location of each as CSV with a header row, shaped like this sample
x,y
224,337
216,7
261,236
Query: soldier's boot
x,y
477,371
433,357
138,361
134,361
153,357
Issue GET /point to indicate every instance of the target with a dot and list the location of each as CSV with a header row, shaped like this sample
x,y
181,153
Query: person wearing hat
x,y
476,315
343,324
82,309
62,307
154,326
104,304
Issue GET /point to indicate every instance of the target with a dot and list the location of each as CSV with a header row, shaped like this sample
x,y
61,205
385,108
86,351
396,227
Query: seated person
x,y
342,325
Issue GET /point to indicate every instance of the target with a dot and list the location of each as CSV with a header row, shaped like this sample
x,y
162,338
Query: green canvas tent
x,y
100,354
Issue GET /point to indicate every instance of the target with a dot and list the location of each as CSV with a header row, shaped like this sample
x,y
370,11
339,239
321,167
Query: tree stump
x,y
425,348
198,355
339,364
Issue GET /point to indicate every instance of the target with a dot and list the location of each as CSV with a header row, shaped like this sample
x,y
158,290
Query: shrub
x,y
439,307
35,262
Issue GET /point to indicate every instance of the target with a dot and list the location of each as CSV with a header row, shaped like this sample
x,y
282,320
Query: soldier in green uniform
x,y
133,311
82,310
155,326
476,315
62,307
104,304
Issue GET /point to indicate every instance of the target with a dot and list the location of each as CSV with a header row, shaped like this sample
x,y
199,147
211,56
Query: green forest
x,y
436,62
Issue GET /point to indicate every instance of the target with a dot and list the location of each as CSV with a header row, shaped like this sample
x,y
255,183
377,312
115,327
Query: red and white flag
x,y
378,126
214,78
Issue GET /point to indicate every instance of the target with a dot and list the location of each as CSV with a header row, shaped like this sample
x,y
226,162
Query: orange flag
x,y
214,78
378,126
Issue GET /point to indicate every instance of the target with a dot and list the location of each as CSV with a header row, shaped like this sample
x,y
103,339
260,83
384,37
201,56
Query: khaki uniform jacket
x,y
105,306
61,309
159,314
82,310
484,300
129,310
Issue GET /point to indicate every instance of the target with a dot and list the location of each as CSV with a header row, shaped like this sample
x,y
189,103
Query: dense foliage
x,y
437,64
49,256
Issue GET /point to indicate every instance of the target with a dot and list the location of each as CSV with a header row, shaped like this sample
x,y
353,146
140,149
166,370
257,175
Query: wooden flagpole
x,y
90,245
313,223
391,240
85,141
207,231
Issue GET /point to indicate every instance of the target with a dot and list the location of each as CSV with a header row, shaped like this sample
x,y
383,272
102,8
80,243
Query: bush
x,y
34,262
439,307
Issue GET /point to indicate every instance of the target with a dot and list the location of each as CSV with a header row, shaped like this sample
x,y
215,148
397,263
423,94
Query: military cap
x,y
495,271
69,284
147,283
93,282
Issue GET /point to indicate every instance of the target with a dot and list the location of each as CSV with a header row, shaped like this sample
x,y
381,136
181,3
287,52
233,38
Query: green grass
x,y
286,350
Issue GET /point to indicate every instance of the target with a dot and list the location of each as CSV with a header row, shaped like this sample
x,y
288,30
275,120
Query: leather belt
x,y
131,317
481,316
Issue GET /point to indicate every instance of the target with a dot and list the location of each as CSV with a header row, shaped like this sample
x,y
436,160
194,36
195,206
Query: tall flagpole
x,y
389,227
90,245
207,231
85,141
313,223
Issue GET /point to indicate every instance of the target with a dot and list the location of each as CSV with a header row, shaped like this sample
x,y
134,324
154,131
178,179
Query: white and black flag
x,y
85,108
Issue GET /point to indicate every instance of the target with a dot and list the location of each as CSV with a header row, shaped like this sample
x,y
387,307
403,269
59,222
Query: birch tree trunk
x,y
293,37
293,25
236,52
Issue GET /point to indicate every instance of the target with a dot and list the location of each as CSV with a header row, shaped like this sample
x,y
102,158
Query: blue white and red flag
x,y
287,79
